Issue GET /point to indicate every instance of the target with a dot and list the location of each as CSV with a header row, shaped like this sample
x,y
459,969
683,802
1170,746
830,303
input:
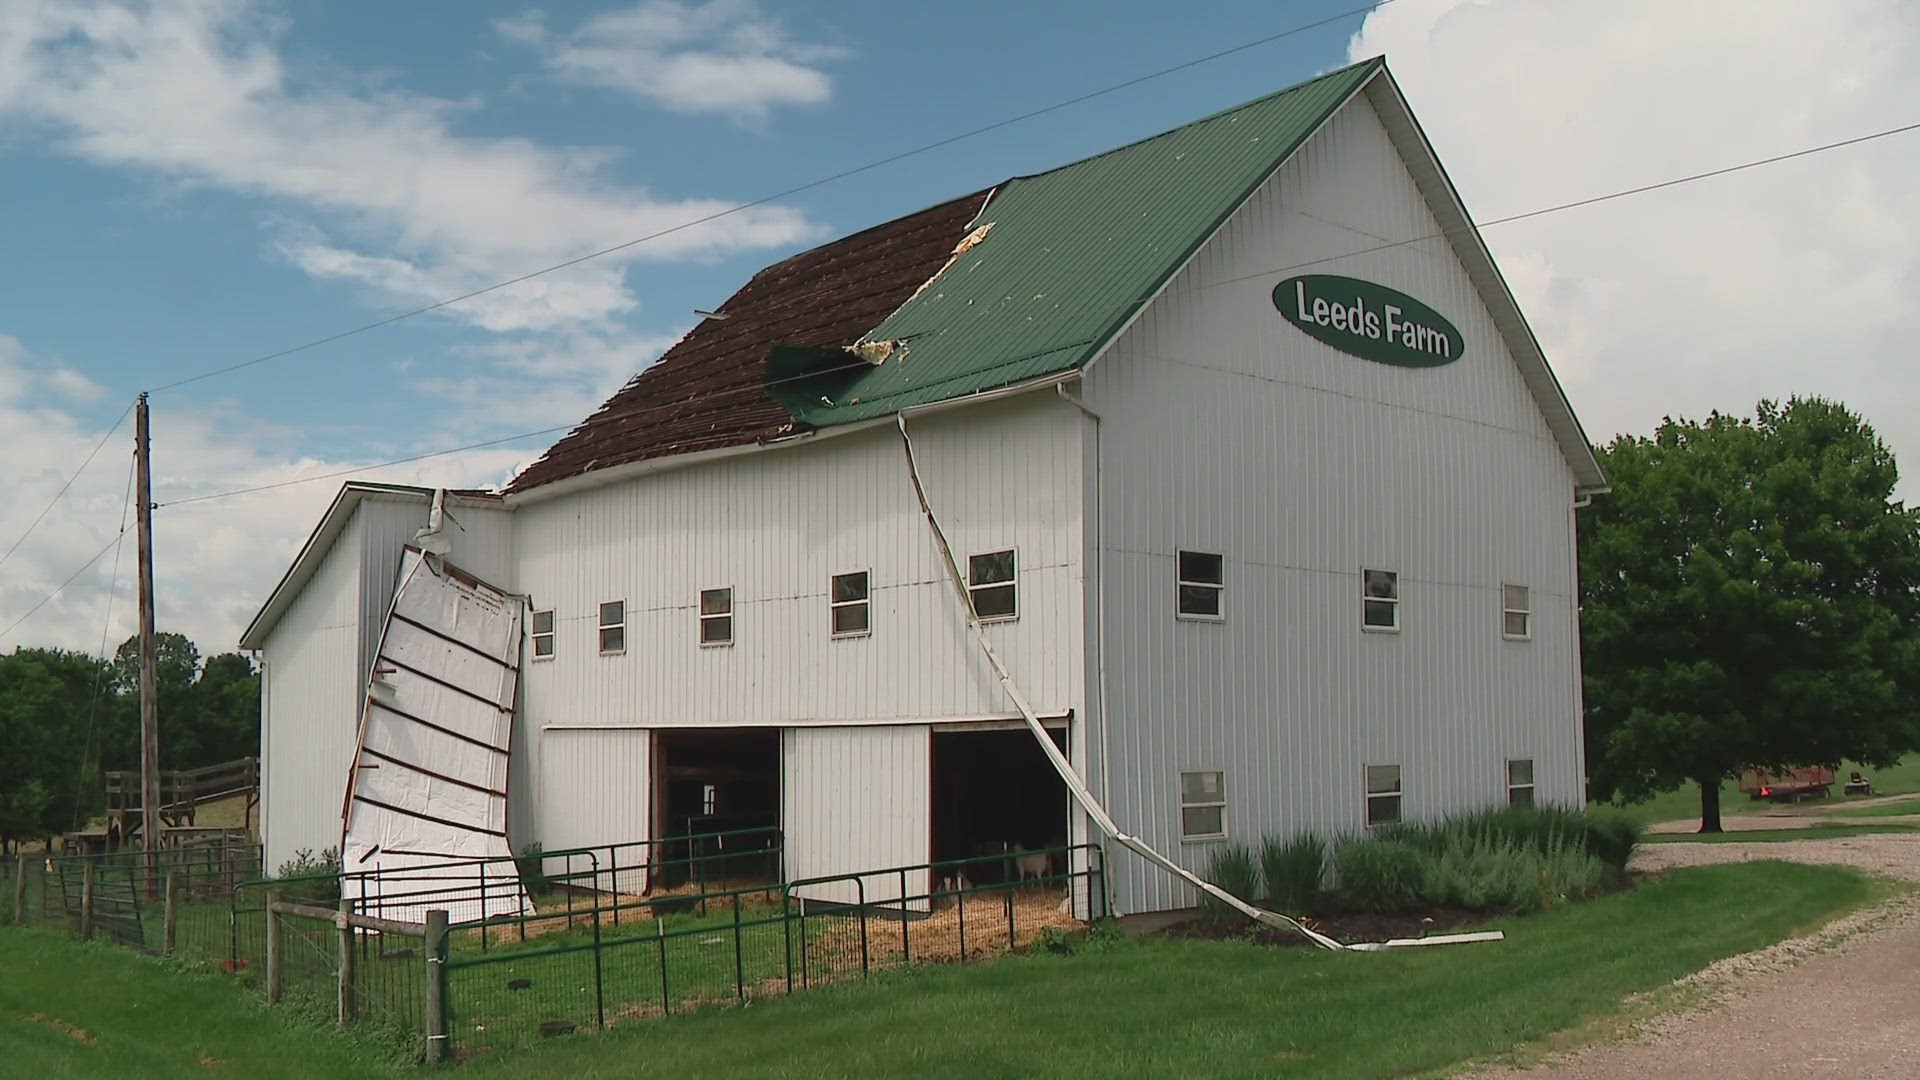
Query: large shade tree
x,y
1748,597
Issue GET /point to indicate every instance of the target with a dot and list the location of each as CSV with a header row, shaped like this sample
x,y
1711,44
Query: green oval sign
x,y
1370,321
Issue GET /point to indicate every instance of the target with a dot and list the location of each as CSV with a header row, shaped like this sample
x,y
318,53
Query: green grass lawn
x,y
1822,831
1147,1008
1902,779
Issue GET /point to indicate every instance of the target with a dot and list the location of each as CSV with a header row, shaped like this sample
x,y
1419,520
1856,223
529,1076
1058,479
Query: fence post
x,y
960,901
666,1001
347,1005
170,921
436,1018
860,892
906,932
599,986
87,871
739,964
786,925
20,891
273,950
1010,937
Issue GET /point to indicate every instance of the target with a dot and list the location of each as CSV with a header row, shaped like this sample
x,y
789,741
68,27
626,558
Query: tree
x,y
1748,593
227,707
54,706
176,663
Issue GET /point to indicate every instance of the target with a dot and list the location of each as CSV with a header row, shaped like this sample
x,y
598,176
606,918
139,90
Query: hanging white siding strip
x,y
429,786
858,799
596,788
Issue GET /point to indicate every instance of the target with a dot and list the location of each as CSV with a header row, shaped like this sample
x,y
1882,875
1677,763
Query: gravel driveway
x,y
1846,1002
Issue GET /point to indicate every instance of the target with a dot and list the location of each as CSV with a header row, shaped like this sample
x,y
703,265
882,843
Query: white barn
x,y
1266,487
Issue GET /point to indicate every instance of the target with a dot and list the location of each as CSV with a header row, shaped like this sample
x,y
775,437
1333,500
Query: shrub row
x,y
1505,859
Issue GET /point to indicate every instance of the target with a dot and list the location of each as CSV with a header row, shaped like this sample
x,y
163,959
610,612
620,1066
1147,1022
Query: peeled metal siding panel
x,y
1308,465
429,785
854,800
596,788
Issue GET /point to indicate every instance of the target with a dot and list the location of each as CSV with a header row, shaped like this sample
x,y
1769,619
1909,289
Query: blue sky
x,y
140,274
194,183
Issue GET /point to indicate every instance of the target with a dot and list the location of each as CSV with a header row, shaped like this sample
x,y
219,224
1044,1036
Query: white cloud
x,y
195,93
549,379
724,56
215,561
1792,278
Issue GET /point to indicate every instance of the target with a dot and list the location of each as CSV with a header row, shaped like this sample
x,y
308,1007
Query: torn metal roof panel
x,y
1073,253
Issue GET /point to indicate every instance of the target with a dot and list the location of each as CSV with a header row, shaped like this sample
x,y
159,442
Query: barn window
x,y
613,626
848,605
543,635
991,587
1516,613
1379,600
1519,781
1201,582
1383,794
1203,805
716,616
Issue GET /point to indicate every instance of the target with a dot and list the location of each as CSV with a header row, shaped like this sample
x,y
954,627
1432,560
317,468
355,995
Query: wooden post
x,y
86,901
346,963
20,891
273,950
149,690
170,922
436,1018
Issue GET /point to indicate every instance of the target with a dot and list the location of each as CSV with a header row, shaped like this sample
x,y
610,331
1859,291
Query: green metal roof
x,y
1070,257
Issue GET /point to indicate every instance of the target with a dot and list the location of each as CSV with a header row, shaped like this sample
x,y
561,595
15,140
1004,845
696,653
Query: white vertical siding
x,y
857,799
1228,430
312,701
596,788
775,527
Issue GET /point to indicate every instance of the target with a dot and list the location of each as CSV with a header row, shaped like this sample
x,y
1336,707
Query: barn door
x,y
857,801
594,792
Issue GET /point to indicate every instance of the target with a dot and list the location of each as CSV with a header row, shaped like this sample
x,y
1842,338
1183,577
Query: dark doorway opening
x,y
993,793
716,780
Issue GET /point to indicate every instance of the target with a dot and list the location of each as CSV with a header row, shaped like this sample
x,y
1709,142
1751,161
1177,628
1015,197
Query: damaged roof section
x,y
977,293
1062,260
711,389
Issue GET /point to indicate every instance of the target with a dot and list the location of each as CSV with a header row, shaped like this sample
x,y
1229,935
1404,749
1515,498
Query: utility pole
x,y
149,693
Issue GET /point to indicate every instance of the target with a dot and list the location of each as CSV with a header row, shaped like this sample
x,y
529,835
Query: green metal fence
x,y
676,953
589,955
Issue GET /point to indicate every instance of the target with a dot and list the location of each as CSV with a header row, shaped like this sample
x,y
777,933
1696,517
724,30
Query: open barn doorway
x,y
711,781
994,792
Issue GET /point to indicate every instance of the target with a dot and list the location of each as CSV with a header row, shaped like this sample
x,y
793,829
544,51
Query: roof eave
x,y
319,542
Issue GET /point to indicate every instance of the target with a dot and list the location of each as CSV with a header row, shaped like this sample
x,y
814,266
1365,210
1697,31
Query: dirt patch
x,y
70,1030
1346,922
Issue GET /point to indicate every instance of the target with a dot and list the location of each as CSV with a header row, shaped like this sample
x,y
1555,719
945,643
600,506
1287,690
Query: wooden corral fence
x,y
182,792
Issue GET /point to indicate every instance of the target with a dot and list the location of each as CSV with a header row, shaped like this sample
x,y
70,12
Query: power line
x,y
106,628
58,495
62,586
776,196
1589,201
363,468
756,388
761,387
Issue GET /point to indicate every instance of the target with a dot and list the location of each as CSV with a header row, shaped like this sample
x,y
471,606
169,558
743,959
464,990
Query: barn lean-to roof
x,y
1031,279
